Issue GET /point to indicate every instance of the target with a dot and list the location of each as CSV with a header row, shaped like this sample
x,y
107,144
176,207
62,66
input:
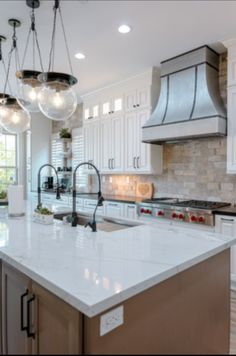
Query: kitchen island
x,y
168,289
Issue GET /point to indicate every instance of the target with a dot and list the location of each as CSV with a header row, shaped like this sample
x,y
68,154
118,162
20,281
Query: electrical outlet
x,y
111,320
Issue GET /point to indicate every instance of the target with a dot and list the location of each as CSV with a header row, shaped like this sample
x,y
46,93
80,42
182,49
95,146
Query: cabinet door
x,y
231,138
56,324
130,100
106,142
14,286
131,139
117,156
143,98
143,149
117,105
115,210
226,225
91,143
130,211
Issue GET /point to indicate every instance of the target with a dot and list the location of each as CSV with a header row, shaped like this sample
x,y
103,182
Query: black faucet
x,y
75,218
39,184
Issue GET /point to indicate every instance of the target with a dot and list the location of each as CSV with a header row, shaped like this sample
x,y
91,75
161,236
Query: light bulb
x,y
28,96
57,100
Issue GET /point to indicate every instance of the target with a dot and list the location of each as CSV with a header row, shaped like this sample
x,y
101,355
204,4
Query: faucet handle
x,y
100,200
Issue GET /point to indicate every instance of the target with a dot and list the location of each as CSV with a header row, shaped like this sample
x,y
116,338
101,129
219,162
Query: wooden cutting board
x,y
145,190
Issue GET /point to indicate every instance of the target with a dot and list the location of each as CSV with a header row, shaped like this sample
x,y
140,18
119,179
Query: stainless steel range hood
x,y
189,105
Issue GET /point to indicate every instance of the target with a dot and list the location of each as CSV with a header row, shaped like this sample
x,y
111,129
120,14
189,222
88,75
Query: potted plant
x,y
65,133
3,195
43,216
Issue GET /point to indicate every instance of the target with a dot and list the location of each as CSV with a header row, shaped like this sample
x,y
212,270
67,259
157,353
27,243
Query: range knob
x,y
201,219
193,218
142,210
149,212
160,213
181,216
174,215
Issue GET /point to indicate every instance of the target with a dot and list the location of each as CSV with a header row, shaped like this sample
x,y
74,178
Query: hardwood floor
x,y
233,324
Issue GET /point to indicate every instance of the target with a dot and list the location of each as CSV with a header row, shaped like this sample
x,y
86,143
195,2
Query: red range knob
x,y
181,216
174,215
193,218
149,212
142,210
201,219
160,213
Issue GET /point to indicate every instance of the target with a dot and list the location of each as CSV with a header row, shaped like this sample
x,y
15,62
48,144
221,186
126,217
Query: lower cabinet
x,y
34,321
226,225
115,210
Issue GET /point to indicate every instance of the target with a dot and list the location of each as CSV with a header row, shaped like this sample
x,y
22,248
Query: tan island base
x,y
187,314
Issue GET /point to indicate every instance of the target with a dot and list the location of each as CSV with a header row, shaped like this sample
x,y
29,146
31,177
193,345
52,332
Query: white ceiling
x,y
161,29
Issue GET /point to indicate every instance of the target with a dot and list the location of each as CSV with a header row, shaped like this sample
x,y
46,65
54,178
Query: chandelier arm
x,y
39,51
26,48
5,70
53,37
66,42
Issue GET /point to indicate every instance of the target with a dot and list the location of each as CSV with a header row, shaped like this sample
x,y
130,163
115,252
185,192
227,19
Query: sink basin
x,y
103,224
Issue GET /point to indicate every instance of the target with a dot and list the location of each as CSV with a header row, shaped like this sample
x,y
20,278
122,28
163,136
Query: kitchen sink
x,y
103,224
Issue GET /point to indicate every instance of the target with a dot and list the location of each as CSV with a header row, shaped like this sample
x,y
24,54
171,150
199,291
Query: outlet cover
x,y
111,320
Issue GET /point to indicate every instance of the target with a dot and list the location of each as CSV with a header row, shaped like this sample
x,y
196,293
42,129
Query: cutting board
x,y
145,190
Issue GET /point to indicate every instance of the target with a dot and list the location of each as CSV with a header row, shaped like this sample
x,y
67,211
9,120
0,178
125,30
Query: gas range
x,y
189,211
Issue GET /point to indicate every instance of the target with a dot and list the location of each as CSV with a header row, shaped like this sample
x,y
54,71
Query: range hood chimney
x,y
189,104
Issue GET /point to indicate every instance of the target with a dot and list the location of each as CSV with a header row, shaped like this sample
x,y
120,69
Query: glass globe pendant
x,y
56,99
13,118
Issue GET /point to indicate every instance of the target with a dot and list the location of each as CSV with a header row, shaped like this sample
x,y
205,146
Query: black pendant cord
x,y
33,31
53,40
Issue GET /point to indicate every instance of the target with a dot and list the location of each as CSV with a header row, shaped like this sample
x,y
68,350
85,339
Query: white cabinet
x,y
91,111
226,225
138,99
92,143
112,145
89,206
140,157
113,209
130,211
112,106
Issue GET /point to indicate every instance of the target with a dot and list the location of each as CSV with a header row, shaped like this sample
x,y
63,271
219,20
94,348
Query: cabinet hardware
x,y
29,333
113,163
223,219
131,206
134,106
109,166
138,105
112,204
138,158
134,162
22,310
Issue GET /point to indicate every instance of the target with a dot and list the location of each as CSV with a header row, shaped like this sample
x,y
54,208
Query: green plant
x,y
3,194
44,211
65,133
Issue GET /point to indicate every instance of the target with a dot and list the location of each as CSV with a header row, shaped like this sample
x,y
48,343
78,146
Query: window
x,y
8,160
78,157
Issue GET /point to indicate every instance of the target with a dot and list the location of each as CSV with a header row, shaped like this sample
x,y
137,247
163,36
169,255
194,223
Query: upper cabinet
x,y
121,111
138,99
112,106
231,103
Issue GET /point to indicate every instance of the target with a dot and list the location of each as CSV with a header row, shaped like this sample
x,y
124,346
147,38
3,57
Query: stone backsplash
x,y
193,169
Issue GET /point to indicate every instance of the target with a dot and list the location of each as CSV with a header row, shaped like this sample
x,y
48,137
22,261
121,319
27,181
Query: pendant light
x,y
29,84
57,100
13,118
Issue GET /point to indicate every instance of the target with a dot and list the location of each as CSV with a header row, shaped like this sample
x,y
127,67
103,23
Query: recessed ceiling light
x,y
124,29
79,56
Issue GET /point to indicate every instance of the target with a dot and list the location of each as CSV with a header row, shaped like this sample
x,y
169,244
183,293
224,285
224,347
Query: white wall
x,y
41,130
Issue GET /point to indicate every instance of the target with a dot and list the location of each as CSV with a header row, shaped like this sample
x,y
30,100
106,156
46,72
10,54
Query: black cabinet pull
x,y
22,326
29,333
138,105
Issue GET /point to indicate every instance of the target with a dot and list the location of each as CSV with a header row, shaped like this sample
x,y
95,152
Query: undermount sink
x,y
103,224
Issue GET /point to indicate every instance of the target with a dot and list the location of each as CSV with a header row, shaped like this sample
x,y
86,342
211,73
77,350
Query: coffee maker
x,y
48,183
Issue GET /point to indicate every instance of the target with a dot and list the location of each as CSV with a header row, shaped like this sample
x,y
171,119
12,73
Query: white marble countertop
x,y
96,271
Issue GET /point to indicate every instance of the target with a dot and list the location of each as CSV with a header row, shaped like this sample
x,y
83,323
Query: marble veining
x,y
95,271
